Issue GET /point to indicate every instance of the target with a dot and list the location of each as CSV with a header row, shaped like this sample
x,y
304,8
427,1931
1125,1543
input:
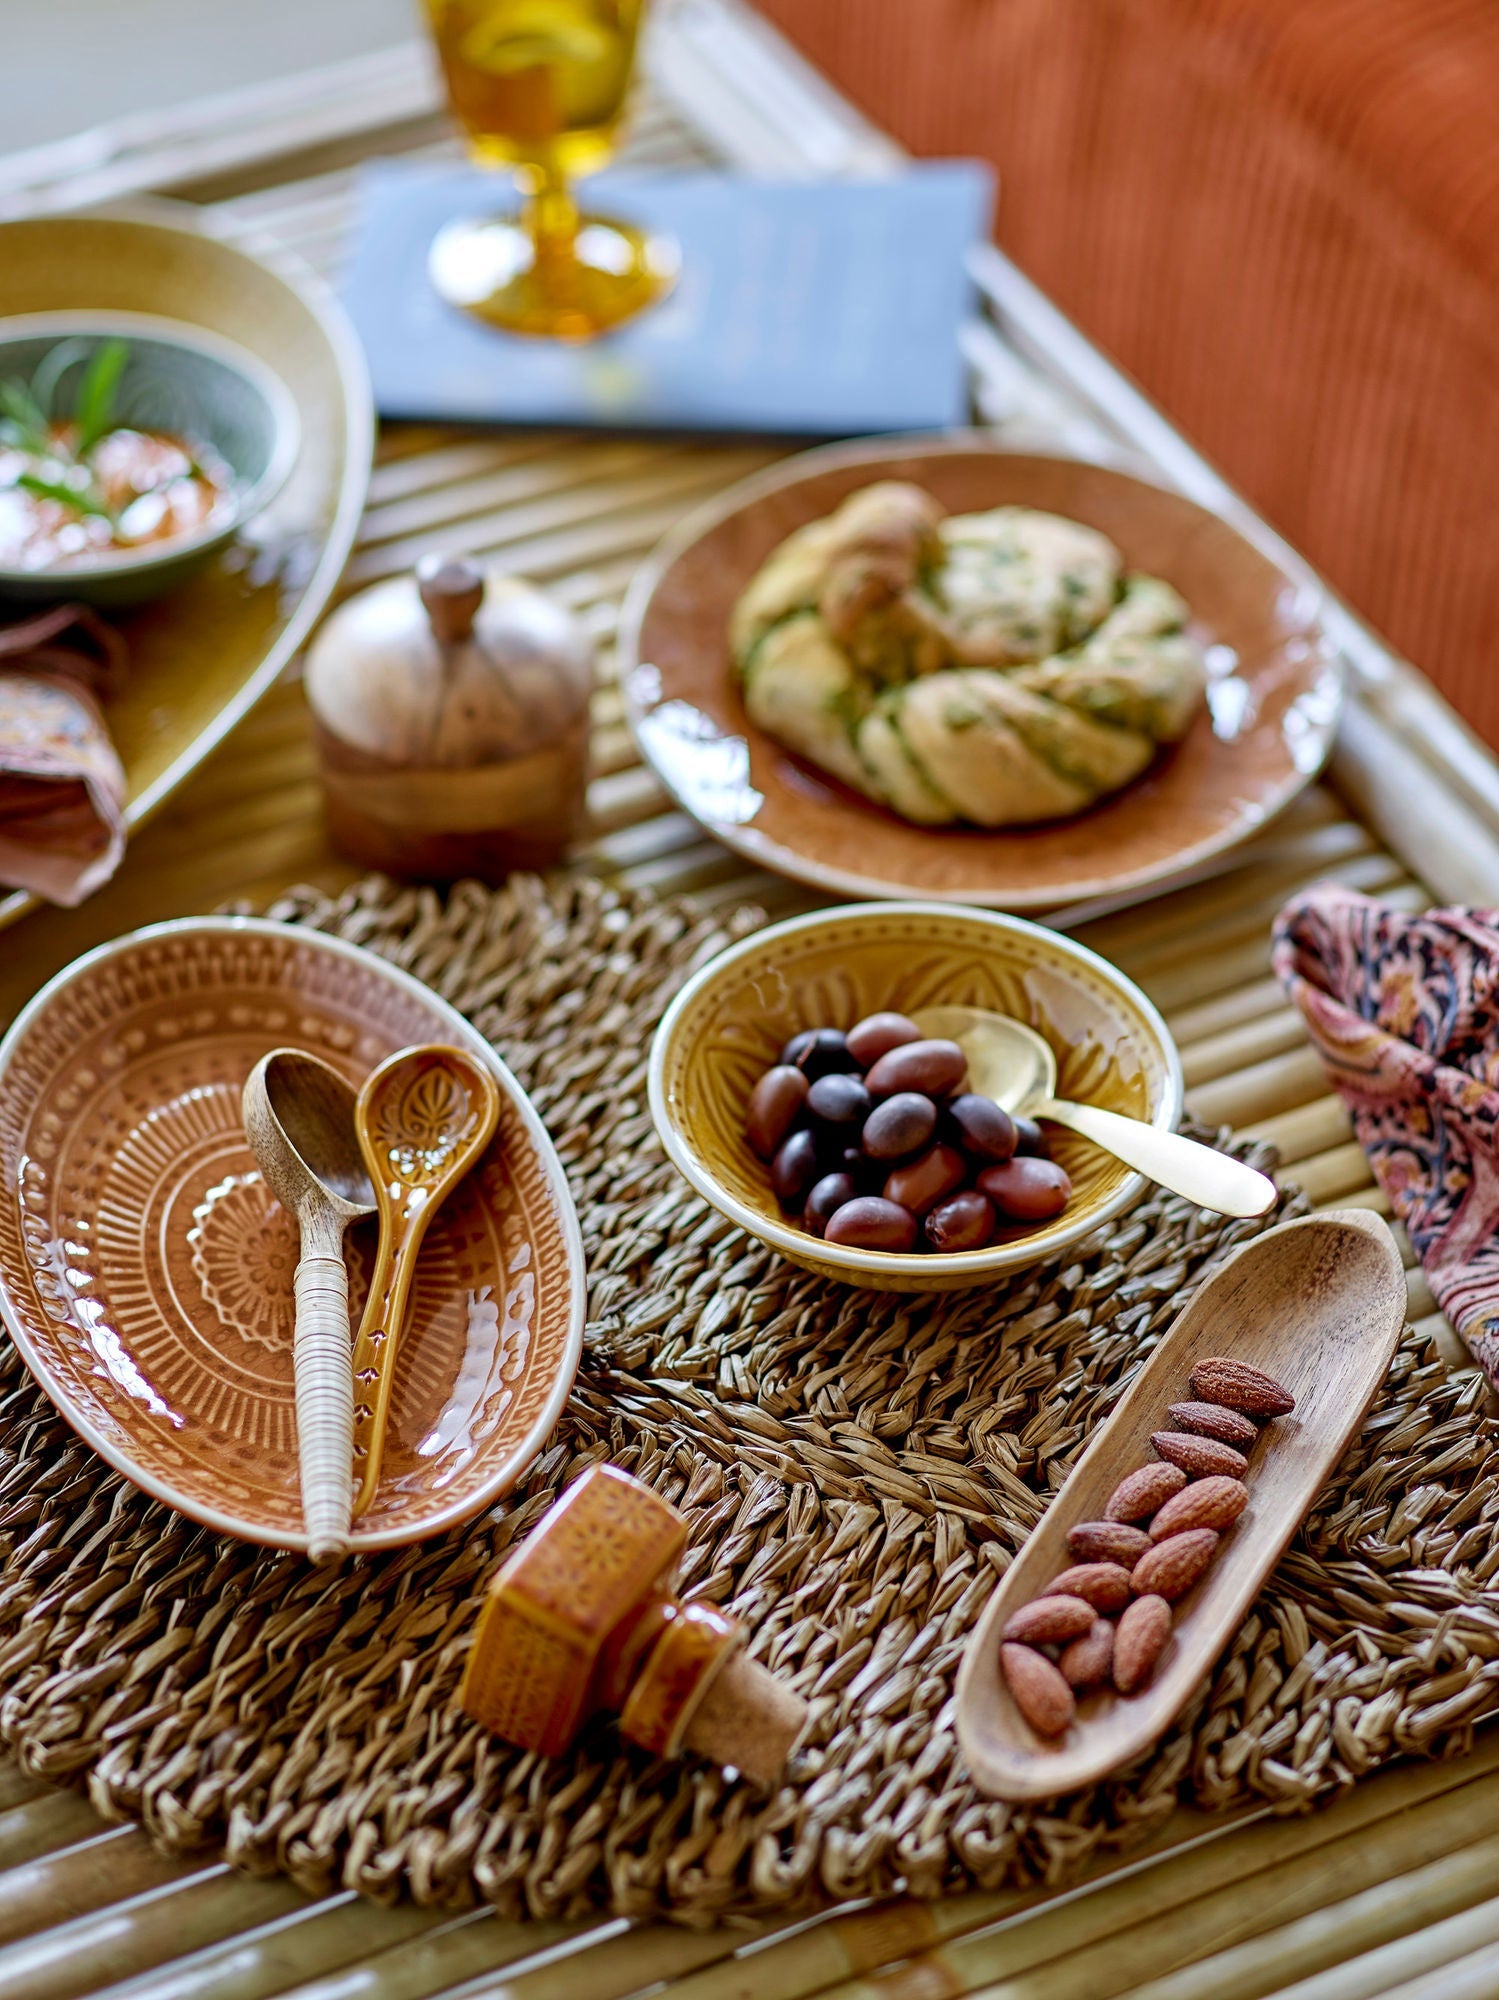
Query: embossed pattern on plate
x,y
146,1271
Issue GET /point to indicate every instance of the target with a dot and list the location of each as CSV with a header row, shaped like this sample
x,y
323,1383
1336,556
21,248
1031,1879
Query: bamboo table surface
x,y
1376,1895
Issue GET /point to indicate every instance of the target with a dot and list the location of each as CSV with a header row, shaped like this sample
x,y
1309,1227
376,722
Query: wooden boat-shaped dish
x,y
146,1270
1320,1305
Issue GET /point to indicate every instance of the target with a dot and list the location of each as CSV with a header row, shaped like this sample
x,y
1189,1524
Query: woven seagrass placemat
x,y
857,1469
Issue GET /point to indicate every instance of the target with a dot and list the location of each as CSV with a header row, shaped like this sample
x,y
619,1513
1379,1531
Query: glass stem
x,y
551,218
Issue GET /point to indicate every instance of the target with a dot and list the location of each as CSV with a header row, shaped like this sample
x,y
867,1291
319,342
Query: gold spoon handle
x,y
324,1386
376,1347
1209,1178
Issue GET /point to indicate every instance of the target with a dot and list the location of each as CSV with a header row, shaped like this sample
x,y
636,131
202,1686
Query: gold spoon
x,y
299,1119
423,1119
1017,1068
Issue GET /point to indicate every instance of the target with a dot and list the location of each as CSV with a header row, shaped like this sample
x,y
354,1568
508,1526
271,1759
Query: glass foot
x,y
552,288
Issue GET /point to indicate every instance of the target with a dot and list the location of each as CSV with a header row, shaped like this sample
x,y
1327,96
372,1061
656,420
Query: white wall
x,y
70,64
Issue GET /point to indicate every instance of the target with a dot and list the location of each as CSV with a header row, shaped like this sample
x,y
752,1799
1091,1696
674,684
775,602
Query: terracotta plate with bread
x,y
1262,731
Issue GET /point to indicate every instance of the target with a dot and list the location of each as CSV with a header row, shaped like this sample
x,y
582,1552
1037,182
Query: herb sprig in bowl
x,y
130,449
65,461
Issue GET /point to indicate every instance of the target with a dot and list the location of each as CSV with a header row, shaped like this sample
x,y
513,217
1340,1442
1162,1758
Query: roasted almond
x,y
1104,1585
1107,1541
1239,1387
1173,1566
1212,1420
1041,1694
1139,1640
1200,1457
1206,1503
1087,1661
1050,1621
1139,1494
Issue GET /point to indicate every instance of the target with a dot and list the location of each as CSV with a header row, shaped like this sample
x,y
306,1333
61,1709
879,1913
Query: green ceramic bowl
x,y
178,378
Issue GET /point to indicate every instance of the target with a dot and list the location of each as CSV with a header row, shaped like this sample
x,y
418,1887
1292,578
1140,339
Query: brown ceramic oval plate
x,y
202,656
1266,728
146,1272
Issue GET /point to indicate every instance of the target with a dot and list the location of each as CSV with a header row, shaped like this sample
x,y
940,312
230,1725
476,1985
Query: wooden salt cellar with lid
x,y
582,1618
450,714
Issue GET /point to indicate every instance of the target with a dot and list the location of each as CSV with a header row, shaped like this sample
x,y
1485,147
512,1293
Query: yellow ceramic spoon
x,y
423,1118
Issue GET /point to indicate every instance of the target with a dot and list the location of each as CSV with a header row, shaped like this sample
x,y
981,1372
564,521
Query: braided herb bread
x,y
997,668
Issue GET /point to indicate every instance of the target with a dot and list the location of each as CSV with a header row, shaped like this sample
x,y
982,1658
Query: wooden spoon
x,y
299,1119
423,1119
1320,1305
1011,1063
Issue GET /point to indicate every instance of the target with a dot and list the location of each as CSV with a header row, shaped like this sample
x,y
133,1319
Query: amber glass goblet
x,y
540,88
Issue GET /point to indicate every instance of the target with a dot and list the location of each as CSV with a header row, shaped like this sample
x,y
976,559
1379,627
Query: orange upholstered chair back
x,y
1282,217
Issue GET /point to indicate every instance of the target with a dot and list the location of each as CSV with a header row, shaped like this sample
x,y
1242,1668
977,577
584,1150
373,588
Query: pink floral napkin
x,y
62,790
1404,1012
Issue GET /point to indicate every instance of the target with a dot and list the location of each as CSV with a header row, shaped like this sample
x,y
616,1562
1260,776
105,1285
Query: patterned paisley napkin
x,y
1404,1012
62,790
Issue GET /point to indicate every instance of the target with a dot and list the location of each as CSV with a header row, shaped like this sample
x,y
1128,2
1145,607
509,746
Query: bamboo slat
x,y
1472,1978
1387,1911
17,1786
71,1960
81,1905
635,1964
433,1960
1305,1129
1237,1008
1234,1049
1332,1176
344,1949
73,1881
1409,1966
1101,1942
44,1823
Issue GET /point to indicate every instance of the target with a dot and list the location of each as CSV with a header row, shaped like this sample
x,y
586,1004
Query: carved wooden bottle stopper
x,y
581,1618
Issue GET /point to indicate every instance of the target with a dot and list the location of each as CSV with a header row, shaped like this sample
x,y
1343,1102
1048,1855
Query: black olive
x,y
826,1052
1029,1138
838,1100
827,1197
794,1169
980,1127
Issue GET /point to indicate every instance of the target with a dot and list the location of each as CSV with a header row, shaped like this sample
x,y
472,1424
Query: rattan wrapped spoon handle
x,y
299,1119
324,1380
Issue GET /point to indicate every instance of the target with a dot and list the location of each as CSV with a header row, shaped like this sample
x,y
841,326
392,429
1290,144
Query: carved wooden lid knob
x,y
452,589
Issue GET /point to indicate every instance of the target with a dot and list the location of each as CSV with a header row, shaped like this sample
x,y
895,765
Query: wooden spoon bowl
x,y
1320,1305
424,1117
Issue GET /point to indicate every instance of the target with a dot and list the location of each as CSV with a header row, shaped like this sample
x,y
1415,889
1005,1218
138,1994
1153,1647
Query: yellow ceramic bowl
x,y
730,1021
